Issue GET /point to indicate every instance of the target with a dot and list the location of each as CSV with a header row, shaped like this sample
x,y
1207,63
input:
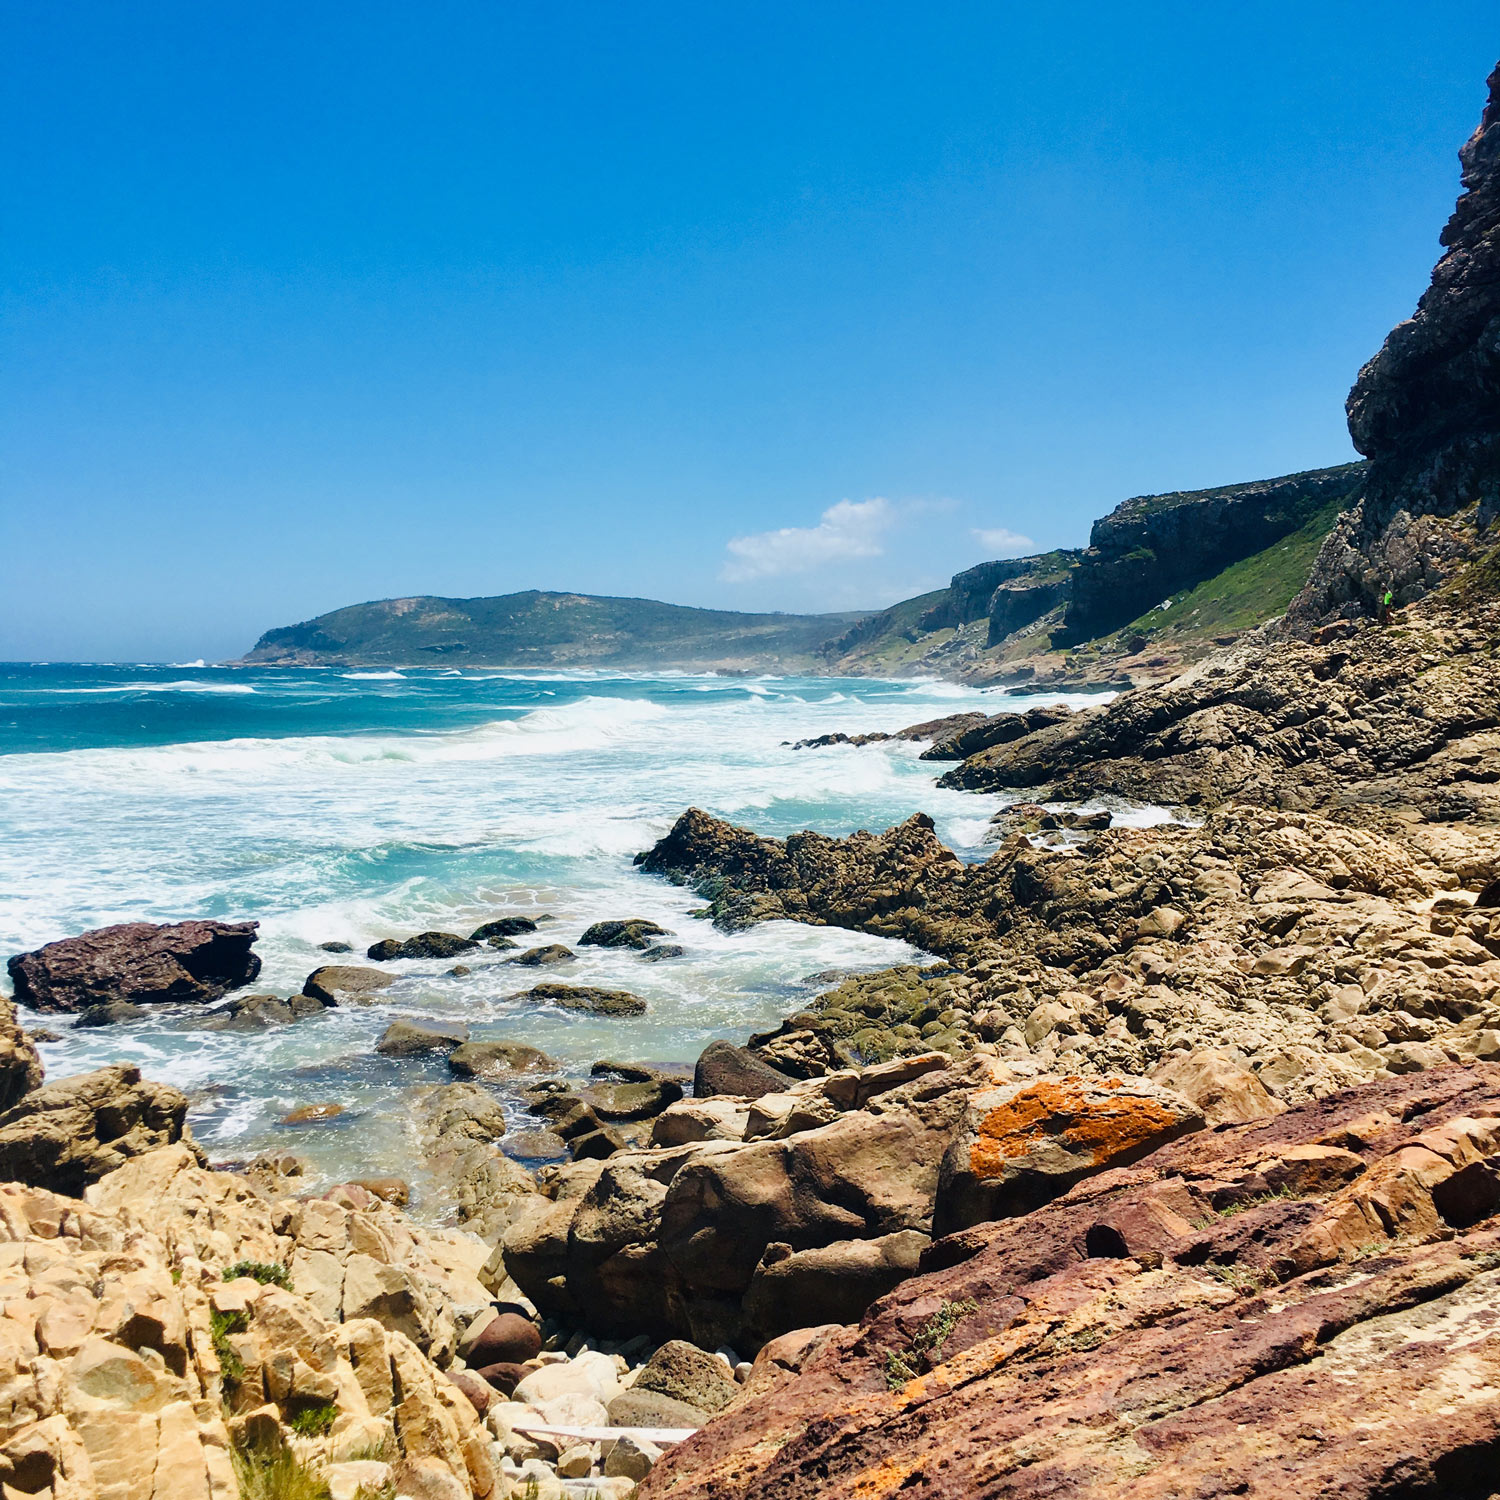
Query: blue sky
x,y
760,306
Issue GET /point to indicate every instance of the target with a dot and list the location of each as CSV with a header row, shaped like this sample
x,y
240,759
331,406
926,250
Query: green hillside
x,y
535,629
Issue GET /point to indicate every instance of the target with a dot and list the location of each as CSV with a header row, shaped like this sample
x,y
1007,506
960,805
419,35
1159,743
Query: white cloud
x,y
850,529
1003,543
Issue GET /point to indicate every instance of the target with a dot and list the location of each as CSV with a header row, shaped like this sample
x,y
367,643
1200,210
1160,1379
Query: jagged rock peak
x,y
1426,412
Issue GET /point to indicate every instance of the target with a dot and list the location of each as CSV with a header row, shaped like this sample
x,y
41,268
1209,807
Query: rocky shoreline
x,y
1176,1171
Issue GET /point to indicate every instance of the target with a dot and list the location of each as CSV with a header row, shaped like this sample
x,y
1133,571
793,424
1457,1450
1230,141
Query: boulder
x,y
412,1038
112,1013
724,1068
501,927
423,945
346,984
633,932
714,1119
636,1408
1021,1144
489,1059
536,958
659,951
312,1114
1219,1083
632,1101
476,1391
599,1002
137,962
507,1338
686,1373
828,1283
20,1064
65,1135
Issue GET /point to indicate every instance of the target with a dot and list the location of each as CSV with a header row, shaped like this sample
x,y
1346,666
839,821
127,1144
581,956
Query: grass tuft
x,y
268,1273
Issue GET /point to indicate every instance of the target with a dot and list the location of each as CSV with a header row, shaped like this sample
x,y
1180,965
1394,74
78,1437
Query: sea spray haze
x,y
354,806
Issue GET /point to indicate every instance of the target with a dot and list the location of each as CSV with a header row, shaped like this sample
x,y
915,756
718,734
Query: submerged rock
x,y
599,1002
138,963
492,1059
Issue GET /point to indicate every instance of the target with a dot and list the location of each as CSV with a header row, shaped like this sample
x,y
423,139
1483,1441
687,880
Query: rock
x,y
507,1338
138,963
460,971
631,1458
112,1013
636,1408
491,1059
634,932
1220,1085
312,1114
575,1462
256,1012
632,1101
535,958
659,951
337,947
1160,922
343,984
1128,1339
476,1391
465,1109
412,1038
20,1065
65,1135
802,1288
502,927
724,1068
1022,1144
502,1377
684,1372
717,1119
394,1190
423,945
600,1002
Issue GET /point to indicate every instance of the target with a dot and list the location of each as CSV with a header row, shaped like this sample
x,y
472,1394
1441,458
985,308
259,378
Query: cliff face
x,y
1426,412
1153,546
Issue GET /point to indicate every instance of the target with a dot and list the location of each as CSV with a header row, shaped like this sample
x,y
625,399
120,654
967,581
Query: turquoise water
x,y
354,806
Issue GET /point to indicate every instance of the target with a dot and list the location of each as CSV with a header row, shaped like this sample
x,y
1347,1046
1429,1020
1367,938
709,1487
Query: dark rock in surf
x,y
537,958
726,1069
633,932
423,945
141,963
502,927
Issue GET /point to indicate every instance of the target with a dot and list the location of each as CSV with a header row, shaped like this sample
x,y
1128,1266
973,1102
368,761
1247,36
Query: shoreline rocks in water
x,y
137,963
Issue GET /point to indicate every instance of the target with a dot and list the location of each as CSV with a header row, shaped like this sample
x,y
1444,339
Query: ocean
x,y
333,805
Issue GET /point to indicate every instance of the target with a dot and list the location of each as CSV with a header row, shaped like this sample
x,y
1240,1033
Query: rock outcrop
x,y
20,1063
179,1326
1426,412
137,963
805,1205
65,1135
1306,1305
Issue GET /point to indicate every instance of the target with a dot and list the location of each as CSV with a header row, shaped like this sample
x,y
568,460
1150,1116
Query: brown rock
x,y
138,963
20,1063
1220,1085
507,1339
488,1059
312,1114
346,984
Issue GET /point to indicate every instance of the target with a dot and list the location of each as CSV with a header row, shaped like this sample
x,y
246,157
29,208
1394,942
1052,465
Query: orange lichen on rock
x,y
1075,1115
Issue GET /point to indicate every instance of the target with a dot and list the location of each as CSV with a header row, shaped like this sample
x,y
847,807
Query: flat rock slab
x,y
142,963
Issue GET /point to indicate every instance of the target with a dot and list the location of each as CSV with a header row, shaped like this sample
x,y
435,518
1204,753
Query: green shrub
x,y
314,1421
266,1272
222,1326
903,1365
277,1476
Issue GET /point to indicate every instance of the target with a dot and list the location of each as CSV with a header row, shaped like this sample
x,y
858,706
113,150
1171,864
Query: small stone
x,y
536,958
575,1462
631,1458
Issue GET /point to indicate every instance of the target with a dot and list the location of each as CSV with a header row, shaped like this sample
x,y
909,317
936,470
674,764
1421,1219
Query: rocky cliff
x,y
1426,412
